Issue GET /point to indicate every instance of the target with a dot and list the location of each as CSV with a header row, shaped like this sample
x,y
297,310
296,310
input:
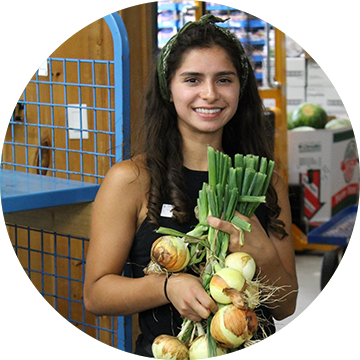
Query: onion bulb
x,y
170,348
225,278
170,252
231,326
243,262
199,349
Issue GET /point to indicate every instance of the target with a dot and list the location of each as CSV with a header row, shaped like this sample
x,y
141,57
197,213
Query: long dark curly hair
x,y
162,142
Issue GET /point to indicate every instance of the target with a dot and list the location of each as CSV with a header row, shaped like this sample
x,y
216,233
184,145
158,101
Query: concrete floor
x,y
321,328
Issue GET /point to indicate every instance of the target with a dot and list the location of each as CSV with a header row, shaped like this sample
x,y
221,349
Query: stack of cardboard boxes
x,y
328,74
295,80
334,84
333,67
325,163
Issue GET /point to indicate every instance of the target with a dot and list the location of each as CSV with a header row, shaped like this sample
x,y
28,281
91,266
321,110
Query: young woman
x,y
202,92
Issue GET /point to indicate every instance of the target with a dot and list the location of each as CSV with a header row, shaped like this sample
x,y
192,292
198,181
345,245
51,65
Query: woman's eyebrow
x,y
225,73
195,73
190,73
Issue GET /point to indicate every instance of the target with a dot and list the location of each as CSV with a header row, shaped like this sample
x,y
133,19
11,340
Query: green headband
x,y
162,67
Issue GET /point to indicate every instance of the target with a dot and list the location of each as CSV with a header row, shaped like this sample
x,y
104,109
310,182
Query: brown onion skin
x,y
218,335
218,281
171,260
171,346
252,322
240,322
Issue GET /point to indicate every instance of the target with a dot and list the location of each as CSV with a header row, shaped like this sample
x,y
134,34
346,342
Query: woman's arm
x,y
117,212
276,258
273,255
114,221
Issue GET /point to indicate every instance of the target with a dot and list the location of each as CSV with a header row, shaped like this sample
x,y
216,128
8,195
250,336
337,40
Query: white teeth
x,y
207,111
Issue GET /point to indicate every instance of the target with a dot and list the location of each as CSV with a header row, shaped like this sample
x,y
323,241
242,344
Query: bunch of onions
x,y
232,326
199,348
234,323
170,252
233,185
226,278
243,262
170,348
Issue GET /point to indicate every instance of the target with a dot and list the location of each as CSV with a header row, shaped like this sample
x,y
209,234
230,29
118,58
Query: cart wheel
x,y
355,255
329,266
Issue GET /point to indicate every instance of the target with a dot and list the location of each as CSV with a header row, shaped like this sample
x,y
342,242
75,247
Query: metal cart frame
x,y
337,231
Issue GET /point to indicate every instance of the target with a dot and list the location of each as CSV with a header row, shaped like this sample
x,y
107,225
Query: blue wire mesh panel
x,y
42,312
72,123
64,122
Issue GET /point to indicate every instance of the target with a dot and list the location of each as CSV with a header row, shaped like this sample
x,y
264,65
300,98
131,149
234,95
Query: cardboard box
x,y
328,98
331,40
295,71
294,97
326,163
316,95
343,72
342,100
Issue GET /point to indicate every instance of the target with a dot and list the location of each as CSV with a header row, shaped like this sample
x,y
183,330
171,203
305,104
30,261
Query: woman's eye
x,y
191,80
224,80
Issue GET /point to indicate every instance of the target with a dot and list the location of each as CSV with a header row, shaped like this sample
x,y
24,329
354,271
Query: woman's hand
x,y
256,243
187,294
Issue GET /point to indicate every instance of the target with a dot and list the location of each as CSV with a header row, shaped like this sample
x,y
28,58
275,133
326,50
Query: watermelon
x,y
303,128
337,123
290,124
308,114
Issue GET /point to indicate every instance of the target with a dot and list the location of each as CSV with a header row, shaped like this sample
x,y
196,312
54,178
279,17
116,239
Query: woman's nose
x,y
209,92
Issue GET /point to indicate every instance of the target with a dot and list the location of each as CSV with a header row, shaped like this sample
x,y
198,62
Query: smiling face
x,y
205,91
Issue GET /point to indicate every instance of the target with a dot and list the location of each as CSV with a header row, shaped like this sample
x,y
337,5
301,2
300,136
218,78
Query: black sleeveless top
x,y
166,319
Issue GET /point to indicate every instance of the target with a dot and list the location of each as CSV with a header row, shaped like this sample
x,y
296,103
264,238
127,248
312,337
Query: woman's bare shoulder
x,y
131,172
127,182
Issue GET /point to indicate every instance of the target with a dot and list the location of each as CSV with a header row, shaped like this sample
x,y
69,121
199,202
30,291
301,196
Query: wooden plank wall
x,y
93,42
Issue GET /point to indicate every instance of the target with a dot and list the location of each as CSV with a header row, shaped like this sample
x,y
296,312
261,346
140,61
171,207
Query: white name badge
x,y
166,210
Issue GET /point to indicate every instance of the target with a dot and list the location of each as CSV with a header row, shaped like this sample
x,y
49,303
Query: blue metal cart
x,y
55,262
337,231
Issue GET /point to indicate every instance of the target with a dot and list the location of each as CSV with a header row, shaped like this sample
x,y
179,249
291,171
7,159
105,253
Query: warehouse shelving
x,y
169,19
317,5
177,7
253,12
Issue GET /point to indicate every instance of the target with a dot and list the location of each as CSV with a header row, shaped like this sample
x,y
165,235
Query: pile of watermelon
x,y
309,117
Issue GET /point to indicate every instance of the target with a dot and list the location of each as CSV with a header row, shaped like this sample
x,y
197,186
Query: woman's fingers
x,y
222,225
236,237
192,316
203,308
189,297
225,226
200,311
241,216
207,302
